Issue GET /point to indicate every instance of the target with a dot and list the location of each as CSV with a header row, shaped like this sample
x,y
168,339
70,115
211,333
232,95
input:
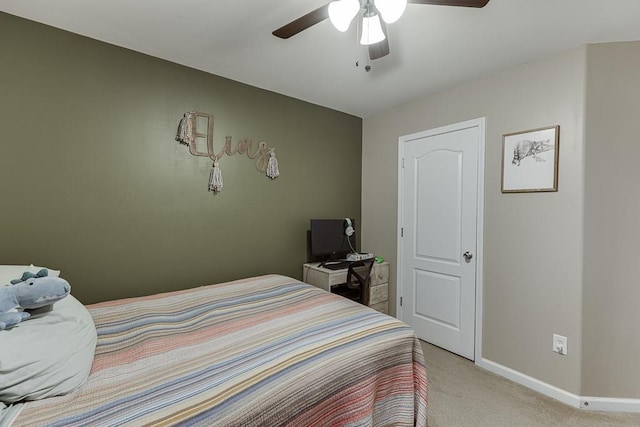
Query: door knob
x,y
467,256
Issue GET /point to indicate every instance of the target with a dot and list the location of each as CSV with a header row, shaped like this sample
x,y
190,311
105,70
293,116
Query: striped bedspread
x,y
265,351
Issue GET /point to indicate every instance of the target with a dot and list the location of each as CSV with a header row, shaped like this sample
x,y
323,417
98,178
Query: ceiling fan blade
x,y
380,49
462,3
302,23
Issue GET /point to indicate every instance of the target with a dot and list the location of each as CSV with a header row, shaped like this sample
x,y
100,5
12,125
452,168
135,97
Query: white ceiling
x,y
432,47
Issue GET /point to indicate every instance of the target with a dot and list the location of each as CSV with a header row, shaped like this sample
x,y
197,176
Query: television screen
x,y
328,238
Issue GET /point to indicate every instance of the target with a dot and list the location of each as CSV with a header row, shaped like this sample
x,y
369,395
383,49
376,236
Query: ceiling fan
x,y
374,34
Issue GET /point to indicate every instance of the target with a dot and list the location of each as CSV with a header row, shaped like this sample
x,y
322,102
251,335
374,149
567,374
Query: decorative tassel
x,y
272,167
185,129
180,133
215,179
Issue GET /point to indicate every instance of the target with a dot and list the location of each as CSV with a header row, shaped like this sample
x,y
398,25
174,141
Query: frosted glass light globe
x,y
371,30
342,12
391,10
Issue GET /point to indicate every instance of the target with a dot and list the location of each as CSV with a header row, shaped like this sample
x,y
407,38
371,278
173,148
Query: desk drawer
x,y
380,274
378,294
382,307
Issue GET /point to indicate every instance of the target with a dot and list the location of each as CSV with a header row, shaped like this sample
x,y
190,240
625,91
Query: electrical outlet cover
x,y
560,344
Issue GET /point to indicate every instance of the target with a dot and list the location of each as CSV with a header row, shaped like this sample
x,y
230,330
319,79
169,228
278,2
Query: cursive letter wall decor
x,y
196,129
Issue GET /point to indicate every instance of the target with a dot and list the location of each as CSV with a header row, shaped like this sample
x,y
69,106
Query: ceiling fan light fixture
x,y
342,12
371,30
391,10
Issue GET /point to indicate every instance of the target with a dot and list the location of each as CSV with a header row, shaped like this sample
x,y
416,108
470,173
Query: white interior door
x,y
438,217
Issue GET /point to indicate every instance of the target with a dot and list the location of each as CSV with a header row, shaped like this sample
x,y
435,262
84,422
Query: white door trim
x,y
480,123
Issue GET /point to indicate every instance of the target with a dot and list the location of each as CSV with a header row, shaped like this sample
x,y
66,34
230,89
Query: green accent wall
x,y
93,182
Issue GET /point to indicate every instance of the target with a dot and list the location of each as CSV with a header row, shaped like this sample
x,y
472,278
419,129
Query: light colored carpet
x,y
462,394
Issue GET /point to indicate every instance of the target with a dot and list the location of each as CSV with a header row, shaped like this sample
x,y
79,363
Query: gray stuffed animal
x,y
29,292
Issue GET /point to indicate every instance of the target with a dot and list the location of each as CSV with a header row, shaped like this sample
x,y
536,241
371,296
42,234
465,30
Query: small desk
x,y
326,279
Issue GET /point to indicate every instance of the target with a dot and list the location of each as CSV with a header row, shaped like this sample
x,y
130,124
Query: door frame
x,y
481,124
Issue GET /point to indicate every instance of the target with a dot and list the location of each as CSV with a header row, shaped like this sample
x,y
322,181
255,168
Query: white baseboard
x,y
609,404
605,404
532,383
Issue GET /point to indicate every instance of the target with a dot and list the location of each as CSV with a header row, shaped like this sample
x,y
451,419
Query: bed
x,y
263,351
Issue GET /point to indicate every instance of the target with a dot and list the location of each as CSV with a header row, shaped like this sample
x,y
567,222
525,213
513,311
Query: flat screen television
x,y
328,240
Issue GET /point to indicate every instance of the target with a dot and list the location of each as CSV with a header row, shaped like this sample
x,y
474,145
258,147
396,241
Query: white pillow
x,y
48,354
10,272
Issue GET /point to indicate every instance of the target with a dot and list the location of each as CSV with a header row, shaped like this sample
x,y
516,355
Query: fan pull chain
x,y
367,67
357,45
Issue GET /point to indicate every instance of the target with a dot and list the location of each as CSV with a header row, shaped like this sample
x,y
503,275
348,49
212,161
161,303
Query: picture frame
x,y
530,160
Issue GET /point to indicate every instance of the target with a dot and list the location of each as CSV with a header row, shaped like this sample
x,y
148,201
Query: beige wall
x,y
93,182
611,337
532,242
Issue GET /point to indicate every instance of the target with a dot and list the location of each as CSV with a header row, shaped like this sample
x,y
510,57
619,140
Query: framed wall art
x,y
530,160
